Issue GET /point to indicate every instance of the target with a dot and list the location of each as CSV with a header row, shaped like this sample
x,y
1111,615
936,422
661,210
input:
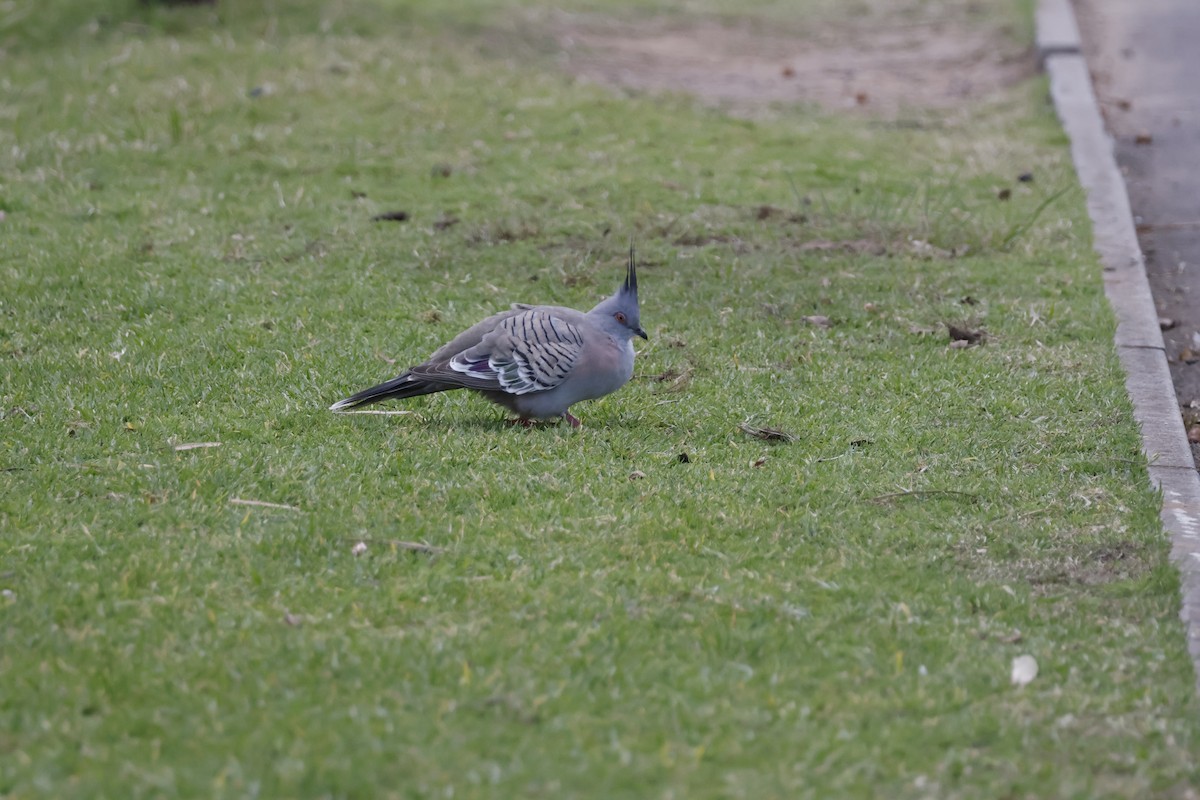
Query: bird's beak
x,y
641,333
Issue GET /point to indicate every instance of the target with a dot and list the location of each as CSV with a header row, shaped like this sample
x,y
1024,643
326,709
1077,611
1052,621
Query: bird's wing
x,y
473,335
533,350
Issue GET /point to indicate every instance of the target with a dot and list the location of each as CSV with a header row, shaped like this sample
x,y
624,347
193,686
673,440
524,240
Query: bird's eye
x,y
620,317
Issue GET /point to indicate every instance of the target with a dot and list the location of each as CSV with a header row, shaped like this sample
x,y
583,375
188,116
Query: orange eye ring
x,y
619,317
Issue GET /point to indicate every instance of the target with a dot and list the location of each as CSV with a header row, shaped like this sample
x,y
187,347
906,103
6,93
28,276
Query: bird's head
x,y
620,310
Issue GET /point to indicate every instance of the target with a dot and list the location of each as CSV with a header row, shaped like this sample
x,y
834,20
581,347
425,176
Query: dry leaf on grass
x,y
958,334
1024,670
767,434
924,249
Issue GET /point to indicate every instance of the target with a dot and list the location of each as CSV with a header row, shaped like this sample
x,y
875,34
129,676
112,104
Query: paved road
x,y
1145,65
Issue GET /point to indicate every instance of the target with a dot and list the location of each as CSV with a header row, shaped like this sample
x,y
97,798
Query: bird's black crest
x,y
630,284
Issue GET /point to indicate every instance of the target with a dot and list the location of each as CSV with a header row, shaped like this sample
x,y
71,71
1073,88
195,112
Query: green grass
x,y
186,259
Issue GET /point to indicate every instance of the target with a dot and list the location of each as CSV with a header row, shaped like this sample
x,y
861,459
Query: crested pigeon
x,y
536,361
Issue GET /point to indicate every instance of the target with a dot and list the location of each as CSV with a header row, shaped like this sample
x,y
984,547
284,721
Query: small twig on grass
x,y
883,498
1022,517
767,434
670,225
796,193
378,412
196,445
415,547
238,501
1020,228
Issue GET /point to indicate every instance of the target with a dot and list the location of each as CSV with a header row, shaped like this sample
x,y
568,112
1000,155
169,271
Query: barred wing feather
x,y
533,351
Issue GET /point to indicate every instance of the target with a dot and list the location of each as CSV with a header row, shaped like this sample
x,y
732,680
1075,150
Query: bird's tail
x,y
395,389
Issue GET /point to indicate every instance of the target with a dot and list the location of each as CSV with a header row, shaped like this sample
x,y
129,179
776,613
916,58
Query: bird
x,y
536,361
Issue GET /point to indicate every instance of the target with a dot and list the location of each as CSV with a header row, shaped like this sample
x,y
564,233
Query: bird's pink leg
x,y
575,423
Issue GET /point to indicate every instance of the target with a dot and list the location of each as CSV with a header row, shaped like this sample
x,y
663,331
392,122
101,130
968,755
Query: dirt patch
x,y
1049,573
868,65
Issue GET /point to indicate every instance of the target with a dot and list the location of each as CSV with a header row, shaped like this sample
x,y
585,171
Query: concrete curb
x,y
1138,339
1057,33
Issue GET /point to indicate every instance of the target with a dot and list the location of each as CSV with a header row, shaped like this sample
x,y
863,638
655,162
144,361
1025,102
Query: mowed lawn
x,y
659,605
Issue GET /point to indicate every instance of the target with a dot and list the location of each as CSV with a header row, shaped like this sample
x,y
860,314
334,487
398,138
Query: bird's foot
x,y
526,422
